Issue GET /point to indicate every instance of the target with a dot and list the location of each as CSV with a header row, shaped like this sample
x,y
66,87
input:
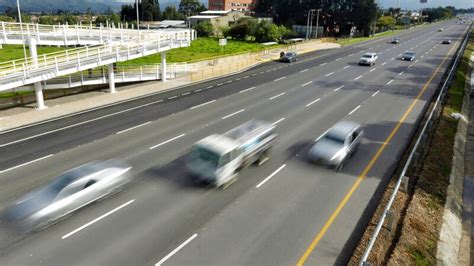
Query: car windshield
x,y
409,54
70,176
335,138
367,56
202,154
289,54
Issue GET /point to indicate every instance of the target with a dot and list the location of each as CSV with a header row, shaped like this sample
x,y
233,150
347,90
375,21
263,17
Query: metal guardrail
x,y
364,261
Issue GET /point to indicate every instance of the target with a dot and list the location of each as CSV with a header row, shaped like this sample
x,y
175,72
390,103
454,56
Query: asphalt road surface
x,y
281,213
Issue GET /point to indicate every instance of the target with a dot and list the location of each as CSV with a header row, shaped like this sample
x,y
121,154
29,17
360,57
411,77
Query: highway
x,y
284,212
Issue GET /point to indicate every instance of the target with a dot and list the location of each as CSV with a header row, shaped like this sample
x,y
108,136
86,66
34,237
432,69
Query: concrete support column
x,y
38,87
111,78
163,66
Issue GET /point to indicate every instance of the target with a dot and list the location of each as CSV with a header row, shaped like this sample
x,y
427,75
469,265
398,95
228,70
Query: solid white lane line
x,y
202,104
307,83
384,63
373,69
280,78
329,74
167,141
278,121
227,116
163,260
23,164
390,81
125,130
249,89
375,93
358,77
311,103
270,176
323,64
401,73
276,96
355,109
80,123
338,88
304,70
346,67
97,219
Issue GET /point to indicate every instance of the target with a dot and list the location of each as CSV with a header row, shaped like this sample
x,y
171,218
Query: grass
x,y
4,95
202,48
12,52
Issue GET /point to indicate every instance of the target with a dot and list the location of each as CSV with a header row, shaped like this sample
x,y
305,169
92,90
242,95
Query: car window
x,y
225,159
72,189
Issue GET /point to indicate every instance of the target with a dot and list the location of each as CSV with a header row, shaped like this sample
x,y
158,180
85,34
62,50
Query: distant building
x,y
235,5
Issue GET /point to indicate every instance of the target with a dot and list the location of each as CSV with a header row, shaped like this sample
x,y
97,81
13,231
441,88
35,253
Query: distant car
x,y
395,41
446,42
337,145
368,59
68,192
408,56
441,29
289,57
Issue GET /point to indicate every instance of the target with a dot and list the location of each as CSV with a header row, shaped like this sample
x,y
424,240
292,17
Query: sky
x,y
415,4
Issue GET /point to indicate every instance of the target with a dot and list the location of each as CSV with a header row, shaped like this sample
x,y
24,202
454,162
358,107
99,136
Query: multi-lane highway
x,y
285,212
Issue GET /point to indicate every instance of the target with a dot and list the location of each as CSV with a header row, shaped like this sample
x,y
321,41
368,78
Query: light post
x,y
138,20
317,21
21,29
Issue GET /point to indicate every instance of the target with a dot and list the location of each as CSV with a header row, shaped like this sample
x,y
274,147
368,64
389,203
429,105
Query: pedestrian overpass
x,y
101,47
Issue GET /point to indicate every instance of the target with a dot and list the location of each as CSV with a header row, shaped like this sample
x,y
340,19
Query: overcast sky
x,y
415,4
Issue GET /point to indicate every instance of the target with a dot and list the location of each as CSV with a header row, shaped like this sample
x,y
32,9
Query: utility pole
x,y
317,21
138,20
376,11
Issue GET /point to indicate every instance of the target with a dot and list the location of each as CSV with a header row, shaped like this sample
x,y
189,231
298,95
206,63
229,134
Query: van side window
x,y
225,159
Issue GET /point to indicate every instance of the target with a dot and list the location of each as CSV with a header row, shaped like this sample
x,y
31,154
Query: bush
x,y
269,32
204,29
244,28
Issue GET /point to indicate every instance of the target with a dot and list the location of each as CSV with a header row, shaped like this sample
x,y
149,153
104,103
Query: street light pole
x,y
138,20
21,28
309,24
317,21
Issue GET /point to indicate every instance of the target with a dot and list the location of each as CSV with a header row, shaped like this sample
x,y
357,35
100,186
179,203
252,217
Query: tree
x,y
244,28
48,20
172,14
386,22
190,7
204,29
268,32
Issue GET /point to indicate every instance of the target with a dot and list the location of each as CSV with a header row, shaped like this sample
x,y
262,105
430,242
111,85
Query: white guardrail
x,y
386,212
29,70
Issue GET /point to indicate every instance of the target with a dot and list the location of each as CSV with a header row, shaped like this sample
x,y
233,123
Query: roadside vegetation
x,y
12,52
420,212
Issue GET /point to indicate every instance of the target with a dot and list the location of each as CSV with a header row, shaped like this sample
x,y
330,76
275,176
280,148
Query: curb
x,y
451,229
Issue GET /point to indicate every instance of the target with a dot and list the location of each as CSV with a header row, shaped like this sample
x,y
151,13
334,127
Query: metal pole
x,y
311,24
307,26
138,20
317,22
21,28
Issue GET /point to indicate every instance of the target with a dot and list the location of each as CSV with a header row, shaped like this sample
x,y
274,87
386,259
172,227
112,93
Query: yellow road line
x,y
361,177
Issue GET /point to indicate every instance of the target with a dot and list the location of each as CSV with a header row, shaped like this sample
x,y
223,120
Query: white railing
x,y
29,70
16,33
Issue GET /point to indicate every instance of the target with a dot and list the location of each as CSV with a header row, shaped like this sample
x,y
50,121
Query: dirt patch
x,y
410,236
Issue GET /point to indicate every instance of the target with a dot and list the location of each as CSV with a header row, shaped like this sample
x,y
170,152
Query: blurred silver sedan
x,y
68,192
335,146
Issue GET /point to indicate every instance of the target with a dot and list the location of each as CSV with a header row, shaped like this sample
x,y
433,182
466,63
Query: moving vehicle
x,y
395,41
289,57
368,59
408,56
67,193
446,42
335,146
217,159
440,29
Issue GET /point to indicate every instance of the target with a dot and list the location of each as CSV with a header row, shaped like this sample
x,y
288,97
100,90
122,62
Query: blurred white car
x,y
368,59
68,192
337,144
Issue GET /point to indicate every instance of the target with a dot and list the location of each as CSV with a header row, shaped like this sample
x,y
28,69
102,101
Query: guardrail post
x,y
111,78
390,216
404,184
4,31
56,63
163,66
